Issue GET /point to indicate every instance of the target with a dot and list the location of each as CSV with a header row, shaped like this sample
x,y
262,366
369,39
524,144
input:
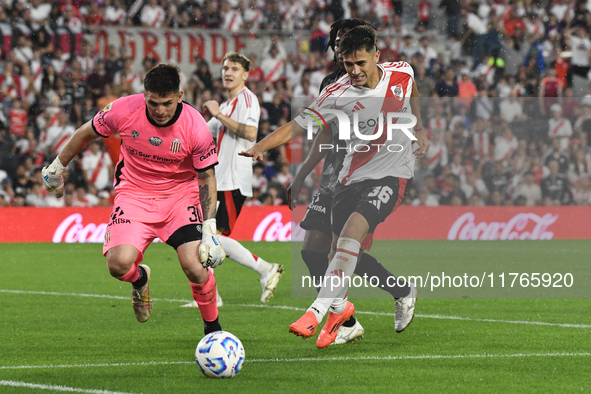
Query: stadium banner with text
x,y
179,46
270,224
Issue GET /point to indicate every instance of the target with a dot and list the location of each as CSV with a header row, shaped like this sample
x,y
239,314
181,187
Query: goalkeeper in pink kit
x,y
165,188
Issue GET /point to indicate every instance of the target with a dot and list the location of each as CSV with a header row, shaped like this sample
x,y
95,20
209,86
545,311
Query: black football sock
x,y
369,266
317,264
142,279
351,322
211,326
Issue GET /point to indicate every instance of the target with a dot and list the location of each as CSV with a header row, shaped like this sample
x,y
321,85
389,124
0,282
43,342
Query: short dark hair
x,y
340,25
238,58
163,79
358,38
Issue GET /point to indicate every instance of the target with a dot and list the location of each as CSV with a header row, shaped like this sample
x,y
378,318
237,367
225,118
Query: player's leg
x,y
125,242
203,285
315,253
318,236
182,231
230,205
384,199
340,266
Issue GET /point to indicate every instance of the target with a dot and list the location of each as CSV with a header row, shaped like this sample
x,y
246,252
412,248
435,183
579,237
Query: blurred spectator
x,y
98,79
97,166
555,186
152,14
529,189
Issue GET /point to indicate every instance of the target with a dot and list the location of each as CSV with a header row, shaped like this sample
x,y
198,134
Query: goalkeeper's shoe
x,y
270,280
142,304
350,334
305,326
405,309
333,323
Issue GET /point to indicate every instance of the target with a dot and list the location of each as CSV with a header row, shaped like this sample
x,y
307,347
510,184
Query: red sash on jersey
x,y
157,19
232,21
223,129
278,65
433,160
98,168
58,145
555,130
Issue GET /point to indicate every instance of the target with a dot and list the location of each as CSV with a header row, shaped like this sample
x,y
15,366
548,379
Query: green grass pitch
x,y
66,325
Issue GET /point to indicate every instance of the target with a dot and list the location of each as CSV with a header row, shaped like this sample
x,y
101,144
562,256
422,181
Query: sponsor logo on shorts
x,y
155,141
107,236
135,134
116,217
317,208
175,145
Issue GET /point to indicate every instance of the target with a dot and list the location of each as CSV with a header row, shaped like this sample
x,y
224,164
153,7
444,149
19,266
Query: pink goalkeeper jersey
x,y
156,161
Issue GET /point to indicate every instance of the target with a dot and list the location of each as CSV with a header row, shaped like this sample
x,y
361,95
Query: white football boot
x,y
349,334
270,280
405,309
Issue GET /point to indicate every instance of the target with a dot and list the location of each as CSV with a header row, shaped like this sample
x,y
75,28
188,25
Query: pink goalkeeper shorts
x,y
137,221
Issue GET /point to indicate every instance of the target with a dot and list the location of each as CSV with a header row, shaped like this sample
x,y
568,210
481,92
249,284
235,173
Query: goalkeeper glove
x,y
211,252
53,179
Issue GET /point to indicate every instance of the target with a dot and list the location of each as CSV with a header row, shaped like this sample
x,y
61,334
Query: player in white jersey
x,y
234,124
372,182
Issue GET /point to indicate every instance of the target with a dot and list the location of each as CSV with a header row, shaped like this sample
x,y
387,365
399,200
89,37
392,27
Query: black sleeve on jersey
x,y
95,130
206,168
331,78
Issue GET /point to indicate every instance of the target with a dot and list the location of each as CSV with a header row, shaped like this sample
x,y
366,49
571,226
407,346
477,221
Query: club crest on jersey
x,y
135,134
155,141
175,145
397,91
108,107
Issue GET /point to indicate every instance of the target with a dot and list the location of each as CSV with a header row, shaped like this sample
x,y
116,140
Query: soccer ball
x,y
219,355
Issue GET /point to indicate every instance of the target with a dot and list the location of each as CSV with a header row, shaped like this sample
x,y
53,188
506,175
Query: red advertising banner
x,y
270,224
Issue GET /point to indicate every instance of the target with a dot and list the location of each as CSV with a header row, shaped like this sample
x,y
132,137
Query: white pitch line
x,y
295,308
292,360
538,323
55,388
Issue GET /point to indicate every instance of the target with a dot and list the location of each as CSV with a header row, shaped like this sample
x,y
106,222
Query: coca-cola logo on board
x,y
73,230
521,226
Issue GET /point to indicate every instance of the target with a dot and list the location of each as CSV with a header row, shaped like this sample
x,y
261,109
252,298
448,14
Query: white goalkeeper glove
x,y
211,252
53,179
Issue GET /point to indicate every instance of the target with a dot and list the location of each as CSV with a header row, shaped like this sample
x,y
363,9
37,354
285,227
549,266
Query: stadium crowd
x,y
497,91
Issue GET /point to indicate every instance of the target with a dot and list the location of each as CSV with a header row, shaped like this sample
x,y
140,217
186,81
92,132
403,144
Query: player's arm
x,y
52,175
207,193
422,140
211,252
314,157
277,138
240,129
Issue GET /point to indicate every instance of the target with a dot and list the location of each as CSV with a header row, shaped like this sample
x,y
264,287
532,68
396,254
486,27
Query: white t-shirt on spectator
x,y
580,51
510,109
232,21
477,25
272,69
90,162
41,12
532,193
152,16
503,148
561,128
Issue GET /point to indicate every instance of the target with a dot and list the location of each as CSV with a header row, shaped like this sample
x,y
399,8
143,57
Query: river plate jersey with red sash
x,y
382,156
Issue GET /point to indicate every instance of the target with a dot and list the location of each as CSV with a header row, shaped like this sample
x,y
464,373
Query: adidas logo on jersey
x,y
358,107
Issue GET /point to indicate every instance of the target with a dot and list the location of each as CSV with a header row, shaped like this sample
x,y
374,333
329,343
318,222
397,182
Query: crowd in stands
x,y
497,83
